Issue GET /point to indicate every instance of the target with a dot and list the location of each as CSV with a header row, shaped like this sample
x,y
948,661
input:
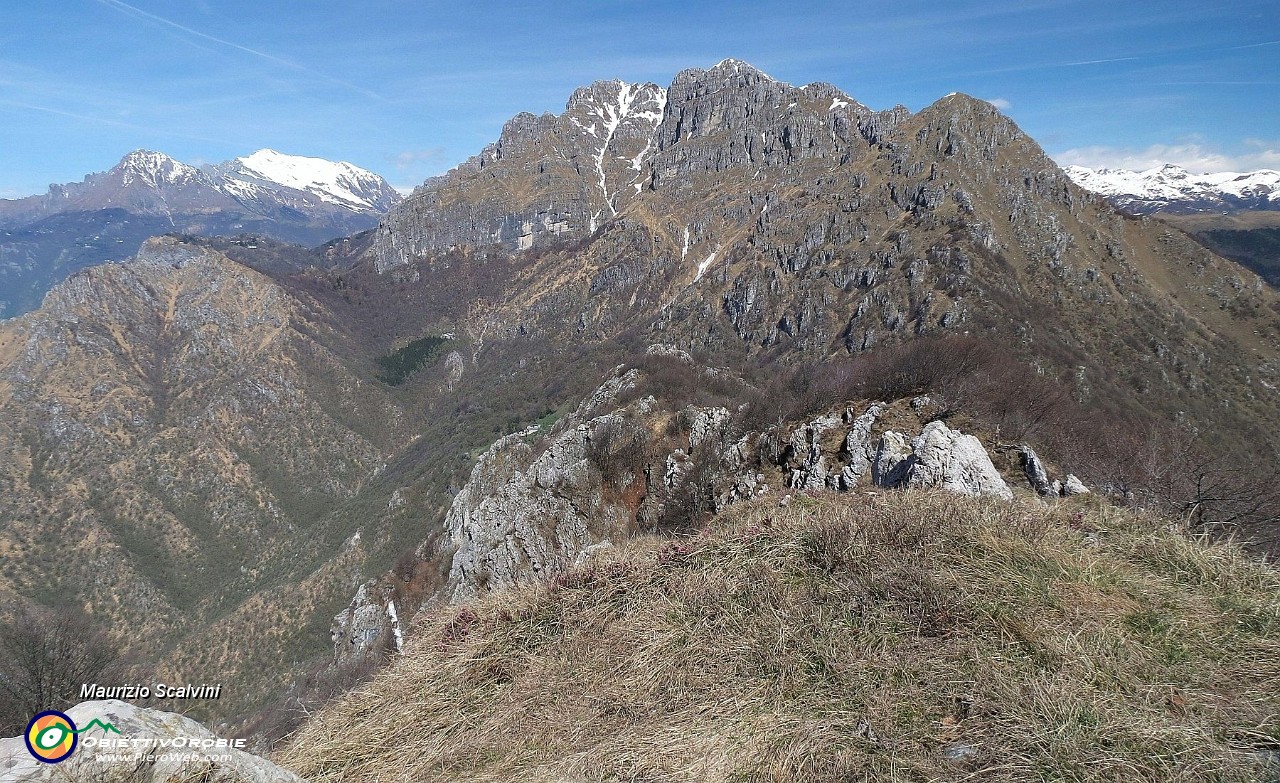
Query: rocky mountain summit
x,y
107,216
766,216
560,176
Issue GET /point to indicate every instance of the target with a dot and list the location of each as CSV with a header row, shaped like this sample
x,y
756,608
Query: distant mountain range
x,y
1235,215
108,215
1174,190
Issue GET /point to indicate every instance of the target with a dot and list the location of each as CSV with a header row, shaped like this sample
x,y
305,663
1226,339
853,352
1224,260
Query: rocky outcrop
x,y
1073,486
811,467
527,513
1038,476
454,365
939,457
859,448
536,504
194,752
369,624
1035,471
949,459
892,465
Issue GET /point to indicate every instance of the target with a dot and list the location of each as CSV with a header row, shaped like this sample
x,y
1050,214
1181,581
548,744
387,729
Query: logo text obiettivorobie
x,y
52,736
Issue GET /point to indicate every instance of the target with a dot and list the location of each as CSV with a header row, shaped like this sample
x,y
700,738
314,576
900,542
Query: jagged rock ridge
x,y
557,176
536,502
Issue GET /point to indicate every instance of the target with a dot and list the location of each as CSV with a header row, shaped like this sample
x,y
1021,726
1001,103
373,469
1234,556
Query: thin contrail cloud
x,y
1092,62
108,121
138,13
1256,45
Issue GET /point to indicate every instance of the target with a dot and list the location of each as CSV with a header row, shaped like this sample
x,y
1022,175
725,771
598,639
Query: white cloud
x,y
1193,156
411,158
1003,104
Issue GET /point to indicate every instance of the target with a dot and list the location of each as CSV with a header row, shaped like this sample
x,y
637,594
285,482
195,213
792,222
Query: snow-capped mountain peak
x,y
1171,188
337,183
154,168
738,66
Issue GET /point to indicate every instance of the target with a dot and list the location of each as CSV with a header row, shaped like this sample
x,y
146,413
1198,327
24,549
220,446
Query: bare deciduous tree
x,y
45,656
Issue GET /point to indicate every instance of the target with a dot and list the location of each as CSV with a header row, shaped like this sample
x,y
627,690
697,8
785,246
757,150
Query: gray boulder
x,y
894,460
938,457
956,462
1073,486
1037,476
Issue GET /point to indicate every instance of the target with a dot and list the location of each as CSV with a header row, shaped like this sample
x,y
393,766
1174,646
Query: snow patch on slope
x,y
632,102
708,261
394,617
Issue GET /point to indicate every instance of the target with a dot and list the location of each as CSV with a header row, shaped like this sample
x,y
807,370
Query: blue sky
x,y
408,89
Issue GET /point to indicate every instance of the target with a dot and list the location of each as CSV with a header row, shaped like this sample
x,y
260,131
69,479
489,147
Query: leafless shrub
x,y
46,655
619,449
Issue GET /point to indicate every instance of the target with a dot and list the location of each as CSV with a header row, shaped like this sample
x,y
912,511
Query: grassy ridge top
x,y
889,636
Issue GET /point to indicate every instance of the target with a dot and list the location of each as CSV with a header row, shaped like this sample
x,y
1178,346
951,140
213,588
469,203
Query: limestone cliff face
x,y
538,503
529,513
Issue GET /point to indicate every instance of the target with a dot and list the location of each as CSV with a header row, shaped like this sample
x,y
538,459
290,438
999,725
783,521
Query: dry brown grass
x,y
893,636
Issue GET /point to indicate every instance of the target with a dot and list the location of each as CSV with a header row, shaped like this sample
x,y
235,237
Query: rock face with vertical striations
x,y
956,462
526,514
546,177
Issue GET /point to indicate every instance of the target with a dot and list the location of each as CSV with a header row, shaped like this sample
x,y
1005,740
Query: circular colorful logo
x,y
51,736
